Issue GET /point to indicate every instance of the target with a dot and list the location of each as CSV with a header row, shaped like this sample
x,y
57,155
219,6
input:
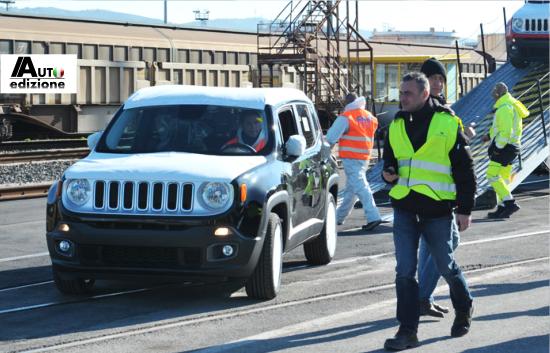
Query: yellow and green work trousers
x,y
499,177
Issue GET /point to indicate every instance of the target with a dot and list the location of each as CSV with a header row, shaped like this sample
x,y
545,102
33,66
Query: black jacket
x,y
462,165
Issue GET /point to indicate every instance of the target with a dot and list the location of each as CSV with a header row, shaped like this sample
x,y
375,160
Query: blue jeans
x,y
428,275
357,186
437,233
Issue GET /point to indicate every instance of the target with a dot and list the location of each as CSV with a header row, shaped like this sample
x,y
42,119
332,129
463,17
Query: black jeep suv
x,y
212,184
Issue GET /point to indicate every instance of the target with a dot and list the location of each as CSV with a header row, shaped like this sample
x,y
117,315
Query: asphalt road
x,y
347,306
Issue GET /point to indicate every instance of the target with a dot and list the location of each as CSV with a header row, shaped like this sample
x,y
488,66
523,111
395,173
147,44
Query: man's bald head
x,y
499,90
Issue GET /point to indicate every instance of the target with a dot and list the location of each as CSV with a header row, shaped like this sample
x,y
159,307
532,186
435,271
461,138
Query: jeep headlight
x,y
79,191
216,195
517,25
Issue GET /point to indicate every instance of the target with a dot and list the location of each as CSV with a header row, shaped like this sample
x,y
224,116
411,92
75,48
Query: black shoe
x,y
510,207
441,308
462,323
372,225
496,214
403,339
358,205
429,309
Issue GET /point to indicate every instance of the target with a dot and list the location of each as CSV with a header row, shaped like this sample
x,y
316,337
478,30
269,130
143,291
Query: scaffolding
x,y
319,40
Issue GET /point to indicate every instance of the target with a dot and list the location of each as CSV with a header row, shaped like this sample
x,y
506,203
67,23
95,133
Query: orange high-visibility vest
x,y
358,141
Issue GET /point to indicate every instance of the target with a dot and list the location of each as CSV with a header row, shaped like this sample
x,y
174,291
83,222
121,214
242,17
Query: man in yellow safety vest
x,y
427,159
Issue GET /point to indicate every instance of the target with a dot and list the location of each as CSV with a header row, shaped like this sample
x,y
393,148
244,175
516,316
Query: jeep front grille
x,y
536,25
142,196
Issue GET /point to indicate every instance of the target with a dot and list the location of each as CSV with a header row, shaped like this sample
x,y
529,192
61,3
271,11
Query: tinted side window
x,y
288,123
306,123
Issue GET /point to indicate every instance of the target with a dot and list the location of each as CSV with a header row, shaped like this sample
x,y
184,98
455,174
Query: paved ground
x,y
348,306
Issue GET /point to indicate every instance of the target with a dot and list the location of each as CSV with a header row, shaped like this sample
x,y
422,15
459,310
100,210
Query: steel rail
x,y
44,155
24,191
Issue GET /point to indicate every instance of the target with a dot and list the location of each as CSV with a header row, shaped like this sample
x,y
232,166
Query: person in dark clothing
x,y
428,275
426,158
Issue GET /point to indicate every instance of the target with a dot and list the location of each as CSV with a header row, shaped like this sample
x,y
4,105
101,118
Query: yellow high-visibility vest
x,y
428,170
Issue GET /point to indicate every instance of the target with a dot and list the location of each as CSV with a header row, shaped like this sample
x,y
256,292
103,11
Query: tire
x,y
519,63
266,279
320,251
77,286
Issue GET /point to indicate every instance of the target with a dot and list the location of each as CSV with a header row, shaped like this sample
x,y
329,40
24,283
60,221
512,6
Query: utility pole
x,y
201,16
8,2
483,48
165,11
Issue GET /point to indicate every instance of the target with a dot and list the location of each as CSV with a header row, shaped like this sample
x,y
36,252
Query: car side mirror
x,y
93,139
295,146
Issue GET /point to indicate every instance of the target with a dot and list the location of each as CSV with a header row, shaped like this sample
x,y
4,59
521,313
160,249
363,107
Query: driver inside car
x,y
250,132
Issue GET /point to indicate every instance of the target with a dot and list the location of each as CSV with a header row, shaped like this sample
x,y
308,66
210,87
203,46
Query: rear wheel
x,y
75,286
266,279
320,251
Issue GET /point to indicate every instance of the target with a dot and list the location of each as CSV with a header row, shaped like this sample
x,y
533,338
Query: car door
x,y
302,179
312,199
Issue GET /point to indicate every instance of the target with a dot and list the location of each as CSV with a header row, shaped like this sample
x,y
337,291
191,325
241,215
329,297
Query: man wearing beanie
x,y
354,131
428,275
437,76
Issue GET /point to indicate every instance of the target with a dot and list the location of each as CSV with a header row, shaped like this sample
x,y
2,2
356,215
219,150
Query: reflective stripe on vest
x,y
433,185
427,170
358,141
425,165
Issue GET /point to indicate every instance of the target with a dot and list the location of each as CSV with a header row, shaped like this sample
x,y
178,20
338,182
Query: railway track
x,y
14,152
44,155
24,191
8,146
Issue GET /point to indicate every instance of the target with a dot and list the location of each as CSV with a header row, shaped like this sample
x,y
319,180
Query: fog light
x,y
227,250
222,232
64,246
63,227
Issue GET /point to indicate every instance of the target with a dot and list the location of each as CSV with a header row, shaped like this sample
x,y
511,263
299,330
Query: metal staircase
x,y
314,39
531,86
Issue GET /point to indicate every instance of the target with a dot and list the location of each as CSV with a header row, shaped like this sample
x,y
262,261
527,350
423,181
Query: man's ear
x,y
425,94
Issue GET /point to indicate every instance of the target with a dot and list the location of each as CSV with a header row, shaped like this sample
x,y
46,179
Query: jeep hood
x,y
164,166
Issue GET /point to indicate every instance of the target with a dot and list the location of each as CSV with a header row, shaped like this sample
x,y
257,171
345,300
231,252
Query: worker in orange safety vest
x,y
354,130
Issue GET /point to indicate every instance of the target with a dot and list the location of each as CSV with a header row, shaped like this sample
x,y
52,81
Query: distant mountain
x,y
100,15
241,24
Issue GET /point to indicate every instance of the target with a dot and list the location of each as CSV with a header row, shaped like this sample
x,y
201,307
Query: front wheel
x,y
76,286
266,279
320,251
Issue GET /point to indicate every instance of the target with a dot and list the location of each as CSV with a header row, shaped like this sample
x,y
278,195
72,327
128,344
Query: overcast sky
x,y
462,16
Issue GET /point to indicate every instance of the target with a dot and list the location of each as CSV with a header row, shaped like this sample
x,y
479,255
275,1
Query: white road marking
x,y
29,307
25,286
531,198
327,320
285,330
6,259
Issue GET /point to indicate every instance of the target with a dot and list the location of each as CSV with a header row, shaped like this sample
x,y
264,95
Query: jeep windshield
x,y
203,129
